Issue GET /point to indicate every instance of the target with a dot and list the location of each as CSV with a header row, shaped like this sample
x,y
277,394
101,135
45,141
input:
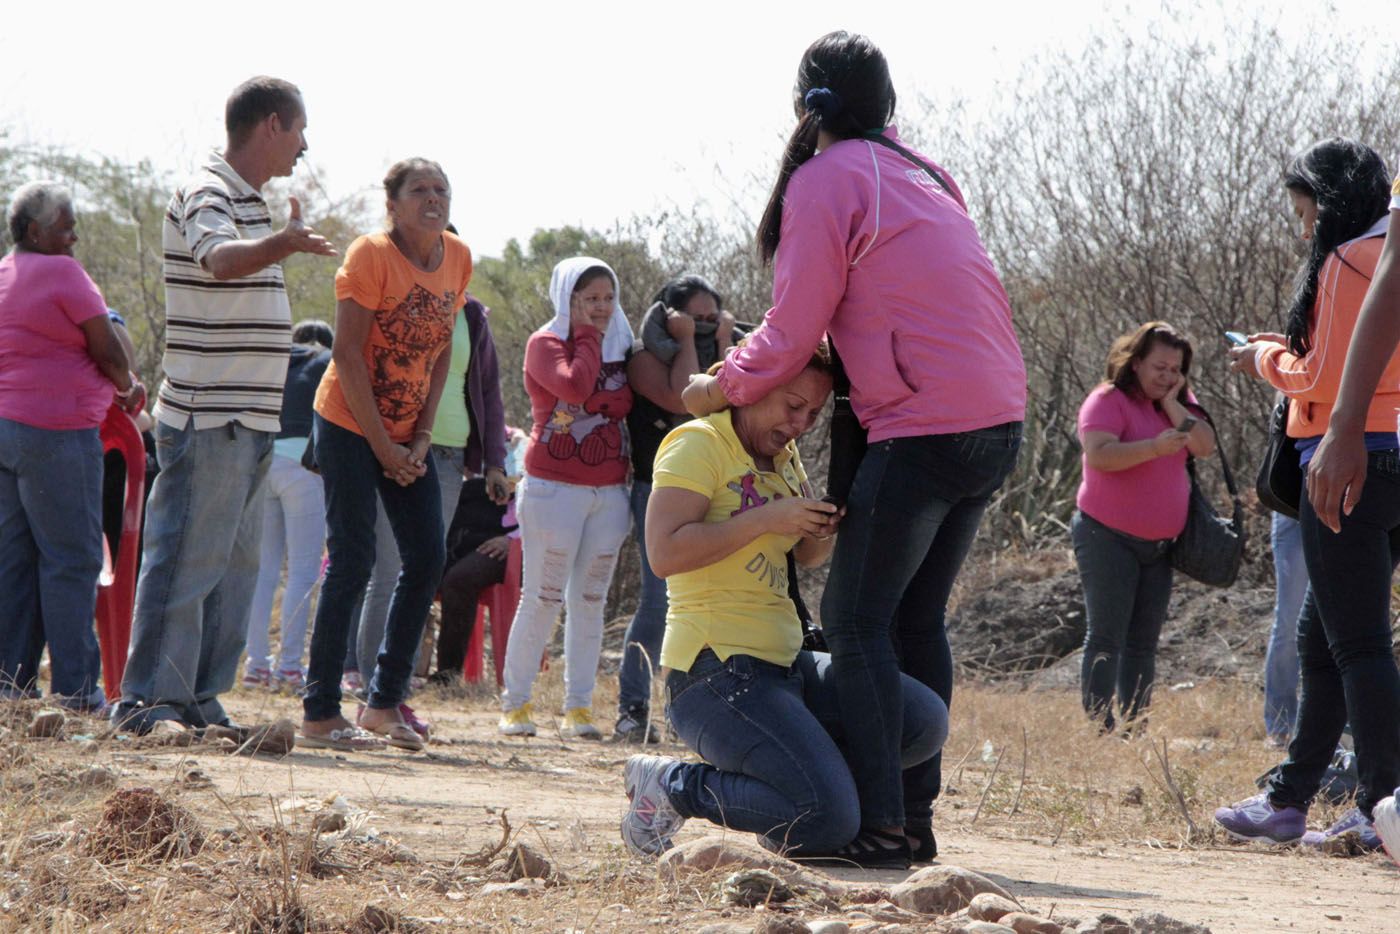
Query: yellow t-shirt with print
x,y
739,604
1395,194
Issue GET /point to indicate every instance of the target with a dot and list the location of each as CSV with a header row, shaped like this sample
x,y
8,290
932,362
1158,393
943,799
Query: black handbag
x,y
1280,480
1210,548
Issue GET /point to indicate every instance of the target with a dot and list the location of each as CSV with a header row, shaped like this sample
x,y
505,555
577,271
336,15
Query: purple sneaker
x,y
1352,820
1255,820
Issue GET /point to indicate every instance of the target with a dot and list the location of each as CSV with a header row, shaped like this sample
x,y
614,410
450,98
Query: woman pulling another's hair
x,y
1340,193
729,501
874,245
572,503
397,295
1132,505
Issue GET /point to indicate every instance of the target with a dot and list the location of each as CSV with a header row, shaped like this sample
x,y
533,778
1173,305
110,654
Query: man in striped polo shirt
x,y
227,343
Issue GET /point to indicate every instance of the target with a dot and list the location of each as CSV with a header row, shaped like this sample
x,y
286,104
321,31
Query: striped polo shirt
x,y
226,342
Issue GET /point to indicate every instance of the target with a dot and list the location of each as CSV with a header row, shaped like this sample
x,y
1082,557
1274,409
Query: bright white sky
x,y
542,113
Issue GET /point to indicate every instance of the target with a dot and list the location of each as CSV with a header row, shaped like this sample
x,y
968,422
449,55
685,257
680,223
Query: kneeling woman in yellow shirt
x,y
728,503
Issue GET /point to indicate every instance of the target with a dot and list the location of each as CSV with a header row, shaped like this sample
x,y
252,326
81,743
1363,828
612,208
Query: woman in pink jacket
x,y
872,244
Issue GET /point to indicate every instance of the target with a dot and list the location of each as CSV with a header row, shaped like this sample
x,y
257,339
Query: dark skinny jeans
x,y
1346,667
1127,585
353,477
911,518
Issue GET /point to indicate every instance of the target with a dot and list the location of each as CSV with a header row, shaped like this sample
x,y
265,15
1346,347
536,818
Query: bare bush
x,y
1140,179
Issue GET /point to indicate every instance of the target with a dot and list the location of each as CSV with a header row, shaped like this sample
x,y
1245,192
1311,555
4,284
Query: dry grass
x,y
263,867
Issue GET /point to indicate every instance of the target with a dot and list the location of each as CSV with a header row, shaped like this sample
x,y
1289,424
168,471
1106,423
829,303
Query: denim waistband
x,y
1160,544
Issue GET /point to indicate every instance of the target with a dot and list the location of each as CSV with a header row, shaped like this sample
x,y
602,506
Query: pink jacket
x,y
874,252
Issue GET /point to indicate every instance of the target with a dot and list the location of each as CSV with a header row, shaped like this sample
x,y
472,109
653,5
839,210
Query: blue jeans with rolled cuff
x,y
353,477
911,518
777,758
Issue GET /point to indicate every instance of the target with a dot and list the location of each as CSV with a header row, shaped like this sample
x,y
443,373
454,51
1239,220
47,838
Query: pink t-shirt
x,y
47,378
1149,500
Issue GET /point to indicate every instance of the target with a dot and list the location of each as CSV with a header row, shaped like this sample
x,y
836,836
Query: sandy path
x,y
445,801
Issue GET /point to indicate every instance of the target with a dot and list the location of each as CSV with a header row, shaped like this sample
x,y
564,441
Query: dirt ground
x,y
1072,845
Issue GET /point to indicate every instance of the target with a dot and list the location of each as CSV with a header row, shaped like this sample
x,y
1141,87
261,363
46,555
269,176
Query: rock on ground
x,y
1155,923
719,852
988,906
942,890
1023,923
47,723
524,863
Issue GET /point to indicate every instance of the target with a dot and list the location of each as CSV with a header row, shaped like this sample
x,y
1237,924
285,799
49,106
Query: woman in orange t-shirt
x,y
397,296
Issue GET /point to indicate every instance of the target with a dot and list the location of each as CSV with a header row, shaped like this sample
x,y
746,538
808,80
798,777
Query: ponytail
x,y
843,87
801,146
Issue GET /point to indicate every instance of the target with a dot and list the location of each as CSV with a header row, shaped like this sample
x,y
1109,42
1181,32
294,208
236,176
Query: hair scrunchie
x,y
824,102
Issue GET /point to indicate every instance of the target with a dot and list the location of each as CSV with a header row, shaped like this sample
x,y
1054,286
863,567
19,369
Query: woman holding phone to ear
x,y
1136,429
1341,193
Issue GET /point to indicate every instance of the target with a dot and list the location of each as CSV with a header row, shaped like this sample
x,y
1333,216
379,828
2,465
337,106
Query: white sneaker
x,y
578,724
651,820
1386,819
517,722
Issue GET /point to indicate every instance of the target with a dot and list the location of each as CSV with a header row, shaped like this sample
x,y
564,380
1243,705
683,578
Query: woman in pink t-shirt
x,y
61,364
1136,430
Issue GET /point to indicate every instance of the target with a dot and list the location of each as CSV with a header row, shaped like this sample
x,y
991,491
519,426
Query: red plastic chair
x,y
116,586
498,602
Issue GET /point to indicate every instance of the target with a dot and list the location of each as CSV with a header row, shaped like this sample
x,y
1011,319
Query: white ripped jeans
x,y
570,536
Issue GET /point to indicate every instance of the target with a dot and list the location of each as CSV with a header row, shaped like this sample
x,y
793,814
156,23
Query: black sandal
x,y
923,848
871,849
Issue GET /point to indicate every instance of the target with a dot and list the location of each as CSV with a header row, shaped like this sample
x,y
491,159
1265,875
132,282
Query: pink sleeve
x,y
78,295
809,281
1100,412
570,377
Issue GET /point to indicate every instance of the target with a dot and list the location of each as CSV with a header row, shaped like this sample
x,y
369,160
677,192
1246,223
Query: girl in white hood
x,y
572,502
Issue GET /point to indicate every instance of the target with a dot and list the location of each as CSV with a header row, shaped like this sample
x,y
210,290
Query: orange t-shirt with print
x,y
413,316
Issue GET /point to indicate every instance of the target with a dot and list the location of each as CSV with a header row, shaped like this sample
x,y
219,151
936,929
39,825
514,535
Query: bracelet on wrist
x,y
423,433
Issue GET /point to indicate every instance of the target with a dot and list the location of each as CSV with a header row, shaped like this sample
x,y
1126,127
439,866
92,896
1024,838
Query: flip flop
x,y
400,735
345,739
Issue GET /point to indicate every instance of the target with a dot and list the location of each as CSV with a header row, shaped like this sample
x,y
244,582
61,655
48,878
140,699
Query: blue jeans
x,y
648,622
912,515
1281,661
50,556
1347,671
353,477
1127,585
198,572
773,742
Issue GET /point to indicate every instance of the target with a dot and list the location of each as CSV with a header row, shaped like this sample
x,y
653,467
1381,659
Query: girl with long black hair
x,y
1340,194
872,244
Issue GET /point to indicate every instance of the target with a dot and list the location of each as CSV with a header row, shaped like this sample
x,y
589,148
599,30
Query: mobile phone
x,y
1236,338
1187,424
